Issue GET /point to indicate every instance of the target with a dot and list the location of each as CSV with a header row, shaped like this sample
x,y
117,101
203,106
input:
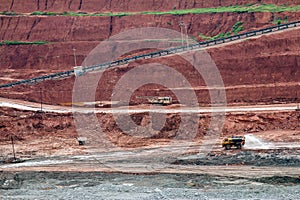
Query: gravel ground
x,y
269,157
76,185
221,175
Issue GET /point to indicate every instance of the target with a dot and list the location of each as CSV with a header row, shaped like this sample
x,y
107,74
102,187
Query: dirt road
x,y
174,158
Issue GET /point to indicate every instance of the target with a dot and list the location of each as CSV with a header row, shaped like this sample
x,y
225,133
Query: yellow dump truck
x,y
236,141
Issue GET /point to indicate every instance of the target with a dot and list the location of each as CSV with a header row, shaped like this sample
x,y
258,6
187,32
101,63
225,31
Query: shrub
x,y
44,13
237,27
8,13
7,42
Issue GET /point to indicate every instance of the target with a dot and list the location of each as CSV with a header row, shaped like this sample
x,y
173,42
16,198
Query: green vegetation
x,y
237,9
43,13
279,21
80,14
7,42
232,8
220,35
237,27
8,13
93,14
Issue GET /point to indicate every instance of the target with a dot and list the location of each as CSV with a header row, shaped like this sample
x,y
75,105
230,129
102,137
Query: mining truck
x,y
236,141
158,100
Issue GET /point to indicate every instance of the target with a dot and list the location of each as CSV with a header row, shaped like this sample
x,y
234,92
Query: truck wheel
x,y
238,146
227,146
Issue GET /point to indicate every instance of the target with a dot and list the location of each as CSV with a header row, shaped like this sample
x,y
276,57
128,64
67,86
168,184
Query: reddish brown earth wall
x,y
63,28
124,5
271,61
30,126
85,33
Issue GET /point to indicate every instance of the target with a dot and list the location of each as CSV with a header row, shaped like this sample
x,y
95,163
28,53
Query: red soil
x,y
258,70
37,134
81,30
271,60
124,6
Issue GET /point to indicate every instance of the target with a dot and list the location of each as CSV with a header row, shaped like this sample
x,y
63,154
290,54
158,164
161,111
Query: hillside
x,y
257,70
124,6
54,146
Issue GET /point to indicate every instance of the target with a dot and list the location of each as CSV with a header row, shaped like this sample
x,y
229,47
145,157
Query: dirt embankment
x,y
54,133
270,60
85,33
257,70
76,29
124,6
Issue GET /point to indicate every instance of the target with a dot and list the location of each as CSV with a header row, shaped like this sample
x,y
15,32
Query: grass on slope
x,y
22,43
237,27
236,9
